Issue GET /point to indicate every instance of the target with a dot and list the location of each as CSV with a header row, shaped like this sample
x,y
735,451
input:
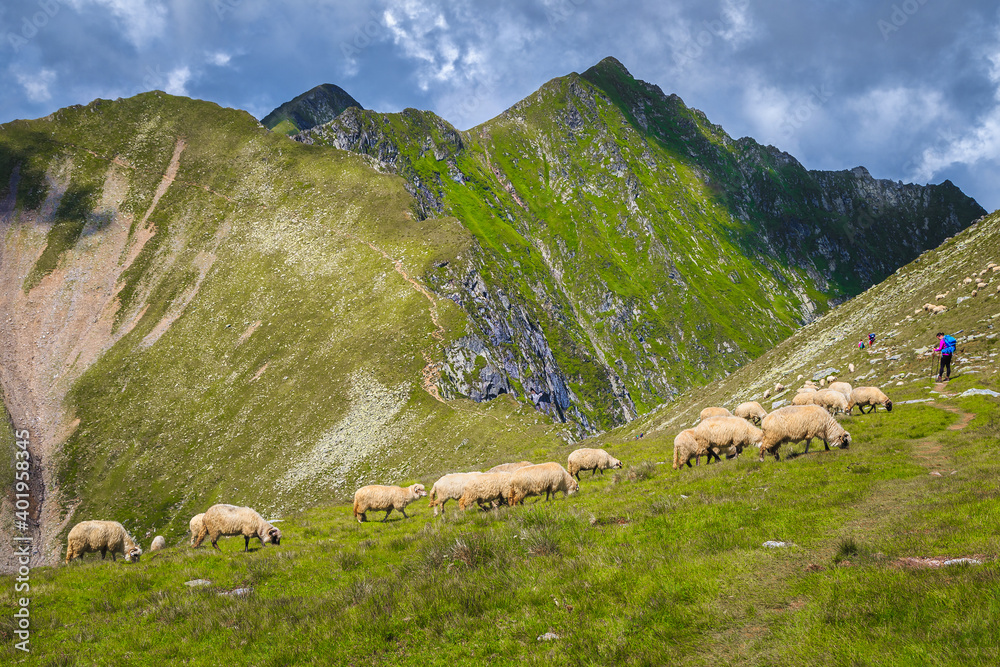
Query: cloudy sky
x,y
908,88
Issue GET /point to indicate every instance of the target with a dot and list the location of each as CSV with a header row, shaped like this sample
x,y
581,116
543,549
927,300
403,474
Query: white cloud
x,y
36,86
980,143
219,58
141,20
177,81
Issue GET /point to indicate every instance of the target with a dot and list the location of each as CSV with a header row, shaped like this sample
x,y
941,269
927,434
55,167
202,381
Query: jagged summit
x,y
314,107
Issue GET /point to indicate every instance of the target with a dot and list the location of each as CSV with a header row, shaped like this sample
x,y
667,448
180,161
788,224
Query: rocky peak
x,y
314,107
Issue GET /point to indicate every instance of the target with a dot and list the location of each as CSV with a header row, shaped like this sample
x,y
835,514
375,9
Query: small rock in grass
x,y
547,637
197,582
238,592
772,544
935,474
963,561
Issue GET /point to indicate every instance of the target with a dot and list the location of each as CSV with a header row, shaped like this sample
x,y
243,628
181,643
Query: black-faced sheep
x,y
228,520
103,536
591,459
794,423
751,411
870,396
547,478
385,499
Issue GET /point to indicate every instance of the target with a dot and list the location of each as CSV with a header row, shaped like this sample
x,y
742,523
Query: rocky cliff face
x,y
628,247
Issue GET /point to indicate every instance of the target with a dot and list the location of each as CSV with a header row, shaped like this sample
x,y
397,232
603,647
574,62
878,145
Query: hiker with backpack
x,y
946,348
871,340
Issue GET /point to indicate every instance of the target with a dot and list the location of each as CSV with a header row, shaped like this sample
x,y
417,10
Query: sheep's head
x,y
615,463
888,406
418,490
845,440
132,555
273,536
574,486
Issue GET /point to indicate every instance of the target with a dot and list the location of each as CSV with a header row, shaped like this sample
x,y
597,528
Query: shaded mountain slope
x,y
314,107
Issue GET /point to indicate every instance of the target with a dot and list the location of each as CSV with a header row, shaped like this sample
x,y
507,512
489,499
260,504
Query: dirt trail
x,y
929,450
52,334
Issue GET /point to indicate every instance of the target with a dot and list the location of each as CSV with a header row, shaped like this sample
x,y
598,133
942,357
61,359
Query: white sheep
x,y
195,526
806,390
685,448
967,281
726,434
844,388
941,296
508,467
939,309
995,269
871,396
228,520
831,378
751,411
103,536
158,543
547,478
834,401
767,393
778,388
487,489
850,367
794,423
450,487
975,292
385,499
708,413
590,459
822,382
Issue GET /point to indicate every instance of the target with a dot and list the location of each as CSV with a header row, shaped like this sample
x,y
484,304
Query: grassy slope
x,y
628,233
168,428
657,569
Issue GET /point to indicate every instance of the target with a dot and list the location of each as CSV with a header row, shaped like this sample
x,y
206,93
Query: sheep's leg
x,y
114,556
246,543
387,513
808,442
826,444
104,552
689,463
215,543
405,515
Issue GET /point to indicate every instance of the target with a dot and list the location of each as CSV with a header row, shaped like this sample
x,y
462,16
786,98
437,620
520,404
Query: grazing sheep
x,y
727,434
708,413
807,390
103,536
487,489
385,499
227,520
590,459
995,269
506,467
685,448
844,388
937,310
195,526
822,382
967,281
767,393
751,411
872,396
451,487
778,388
831,379
793,423
929,307
850,367
833,401
918,311
158,543
975,292
940,296
547,478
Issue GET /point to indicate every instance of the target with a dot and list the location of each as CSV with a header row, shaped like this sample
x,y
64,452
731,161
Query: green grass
x,y
658,567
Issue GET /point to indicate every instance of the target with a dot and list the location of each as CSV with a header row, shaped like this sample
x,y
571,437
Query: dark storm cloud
x,y
910,89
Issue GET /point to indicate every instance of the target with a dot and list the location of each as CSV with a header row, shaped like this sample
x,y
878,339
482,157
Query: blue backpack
x,y
949,345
